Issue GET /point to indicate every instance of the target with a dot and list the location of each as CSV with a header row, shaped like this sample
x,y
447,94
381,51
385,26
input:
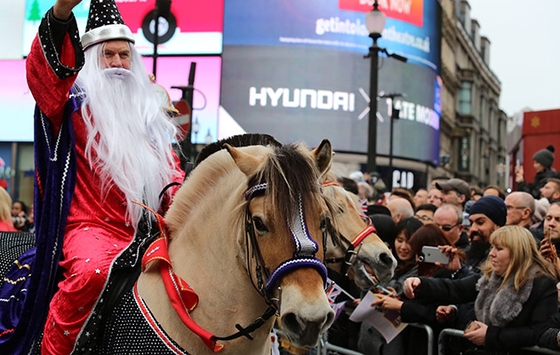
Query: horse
x,y
354,249
247,232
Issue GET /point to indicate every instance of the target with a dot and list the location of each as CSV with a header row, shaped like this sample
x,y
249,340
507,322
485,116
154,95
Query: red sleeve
x,y
49,91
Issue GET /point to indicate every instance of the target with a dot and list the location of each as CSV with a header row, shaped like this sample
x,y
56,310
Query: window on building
x,y
481,109
465,98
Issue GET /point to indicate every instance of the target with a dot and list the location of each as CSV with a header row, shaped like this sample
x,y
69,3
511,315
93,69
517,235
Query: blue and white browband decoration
x,y
304,255
257,188
305,246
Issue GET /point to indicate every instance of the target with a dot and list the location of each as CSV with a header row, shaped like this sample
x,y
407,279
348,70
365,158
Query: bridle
x,y
184,300
303,257
352,247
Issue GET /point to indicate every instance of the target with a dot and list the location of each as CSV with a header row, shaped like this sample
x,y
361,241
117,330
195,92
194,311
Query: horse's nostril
x,y
330,320
386,259
290,321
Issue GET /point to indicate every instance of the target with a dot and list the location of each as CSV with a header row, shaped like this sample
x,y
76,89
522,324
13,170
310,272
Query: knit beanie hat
x,y
545,156
492,207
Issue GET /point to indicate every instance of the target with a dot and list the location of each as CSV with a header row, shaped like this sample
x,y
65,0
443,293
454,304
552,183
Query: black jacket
x,y
539,181
523,331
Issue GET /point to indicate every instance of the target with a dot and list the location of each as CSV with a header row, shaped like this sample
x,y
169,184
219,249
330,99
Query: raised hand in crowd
x,y
548,250
452,253
410,285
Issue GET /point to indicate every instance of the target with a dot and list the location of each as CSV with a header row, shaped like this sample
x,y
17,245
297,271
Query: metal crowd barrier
x,y
324,346
459,333
430,334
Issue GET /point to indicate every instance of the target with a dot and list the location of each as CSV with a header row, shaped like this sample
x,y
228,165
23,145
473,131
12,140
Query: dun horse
x,y
247,233
354,248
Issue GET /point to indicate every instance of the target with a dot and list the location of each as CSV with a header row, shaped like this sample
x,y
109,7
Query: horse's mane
x,y
240,140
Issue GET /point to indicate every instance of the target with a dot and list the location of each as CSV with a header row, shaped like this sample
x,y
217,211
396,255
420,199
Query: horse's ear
x,y
247,163
323,156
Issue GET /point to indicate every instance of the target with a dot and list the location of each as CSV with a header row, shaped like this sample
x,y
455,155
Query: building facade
x,y
473,127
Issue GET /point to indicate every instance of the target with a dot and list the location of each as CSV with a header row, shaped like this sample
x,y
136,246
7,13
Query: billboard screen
x,y
192,27
412,31
17,105
296,70
174,71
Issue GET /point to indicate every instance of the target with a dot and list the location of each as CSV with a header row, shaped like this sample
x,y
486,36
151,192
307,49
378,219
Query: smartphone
x,y
432,255
381,289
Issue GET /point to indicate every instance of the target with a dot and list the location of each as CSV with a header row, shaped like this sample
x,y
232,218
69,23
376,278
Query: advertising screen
x,y
296,70
191,27
17,104
174,71
412,28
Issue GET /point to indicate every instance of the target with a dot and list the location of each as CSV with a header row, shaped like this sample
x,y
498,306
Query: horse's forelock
x,y
290,173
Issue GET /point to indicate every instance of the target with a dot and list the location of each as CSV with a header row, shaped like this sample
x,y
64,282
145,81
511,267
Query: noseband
x,y
352,247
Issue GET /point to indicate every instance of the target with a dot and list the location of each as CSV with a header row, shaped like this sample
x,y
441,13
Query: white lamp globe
x,y
375,21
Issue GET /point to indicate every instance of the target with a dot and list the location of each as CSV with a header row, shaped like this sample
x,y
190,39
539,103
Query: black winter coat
x,y
523,331
539,181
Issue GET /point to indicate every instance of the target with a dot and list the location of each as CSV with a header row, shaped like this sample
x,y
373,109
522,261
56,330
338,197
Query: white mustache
x,y
120,73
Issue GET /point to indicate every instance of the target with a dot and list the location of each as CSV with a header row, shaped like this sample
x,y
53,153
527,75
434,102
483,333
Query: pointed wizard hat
x,y
105,23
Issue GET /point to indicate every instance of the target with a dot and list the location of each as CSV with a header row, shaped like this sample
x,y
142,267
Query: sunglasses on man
x,y
448,227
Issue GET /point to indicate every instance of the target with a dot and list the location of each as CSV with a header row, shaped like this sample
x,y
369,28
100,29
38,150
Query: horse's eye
x,y
259,225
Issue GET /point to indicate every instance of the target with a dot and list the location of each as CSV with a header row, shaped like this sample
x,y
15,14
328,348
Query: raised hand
x,y
519,174
62,9
454,259
410,285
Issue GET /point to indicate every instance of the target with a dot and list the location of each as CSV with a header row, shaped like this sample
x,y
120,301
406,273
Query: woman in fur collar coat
x,y
514,295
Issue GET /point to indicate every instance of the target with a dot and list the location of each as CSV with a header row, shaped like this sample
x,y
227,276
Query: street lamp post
x,y
162,10
375,23
395,112
195,129
188,95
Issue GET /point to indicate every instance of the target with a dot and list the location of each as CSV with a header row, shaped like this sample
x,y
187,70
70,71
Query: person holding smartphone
x,y
428,246
514,295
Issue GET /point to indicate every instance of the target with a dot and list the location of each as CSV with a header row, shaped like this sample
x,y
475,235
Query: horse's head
x,y
353,246
287,218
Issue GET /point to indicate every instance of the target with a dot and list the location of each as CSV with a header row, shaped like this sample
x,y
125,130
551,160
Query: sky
x,y
524,50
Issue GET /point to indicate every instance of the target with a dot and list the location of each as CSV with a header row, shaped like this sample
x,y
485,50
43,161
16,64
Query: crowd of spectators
x,y
501,283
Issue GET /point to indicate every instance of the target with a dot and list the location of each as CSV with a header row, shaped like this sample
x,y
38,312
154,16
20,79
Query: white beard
x,y
129,135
